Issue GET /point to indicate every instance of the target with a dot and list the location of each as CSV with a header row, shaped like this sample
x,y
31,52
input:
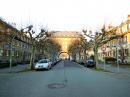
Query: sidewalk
x,y
115,68
14,69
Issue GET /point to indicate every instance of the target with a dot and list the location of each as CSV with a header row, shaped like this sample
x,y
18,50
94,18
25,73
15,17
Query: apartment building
x,y
118,47
20,43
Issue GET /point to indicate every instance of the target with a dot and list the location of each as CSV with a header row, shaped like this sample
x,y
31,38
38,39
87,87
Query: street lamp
x,y
11,50
10,47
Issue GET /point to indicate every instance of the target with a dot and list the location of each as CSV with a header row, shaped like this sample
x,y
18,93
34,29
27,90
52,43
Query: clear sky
x,y
64,15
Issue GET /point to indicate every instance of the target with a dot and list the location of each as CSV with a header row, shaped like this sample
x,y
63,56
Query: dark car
x,y
90,63
81,62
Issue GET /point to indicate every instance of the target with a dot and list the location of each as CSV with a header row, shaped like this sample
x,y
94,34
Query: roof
x,y
5,24
66,34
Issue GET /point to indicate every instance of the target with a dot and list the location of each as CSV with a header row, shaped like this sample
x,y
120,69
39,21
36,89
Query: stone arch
x,y
64,53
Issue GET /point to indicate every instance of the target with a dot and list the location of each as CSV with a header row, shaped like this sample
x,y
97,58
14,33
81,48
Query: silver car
x,y
43,64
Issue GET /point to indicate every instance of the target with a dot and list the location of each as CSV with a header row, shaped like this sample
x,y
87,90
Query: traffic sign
x,y
7,46
103,48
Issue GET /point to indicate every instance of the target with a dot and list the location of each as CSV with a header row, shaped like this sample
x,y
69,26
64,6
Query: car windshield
x,y
42,61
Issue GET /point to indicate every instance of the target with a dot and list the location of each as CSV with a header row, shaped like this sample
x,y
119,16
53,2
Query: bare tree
x,y
99,39
34,41
50,47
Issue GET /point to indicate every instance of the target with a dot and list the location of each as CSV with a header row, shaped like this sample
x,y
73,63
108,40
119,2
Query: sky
x,y
64,15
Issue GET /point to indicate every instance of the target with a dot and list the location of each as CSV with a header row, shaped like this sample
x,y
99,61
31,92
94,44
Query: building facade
x,y
18,42
118,48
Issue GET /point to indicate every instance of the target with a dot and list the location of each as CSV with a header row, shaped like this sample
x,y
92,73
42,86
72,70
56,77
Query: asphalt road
x,y
66,79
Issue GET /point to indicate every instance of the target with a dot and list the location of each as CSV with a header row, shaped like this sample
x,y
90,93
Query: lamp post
x,y
11,50
10,46
117,58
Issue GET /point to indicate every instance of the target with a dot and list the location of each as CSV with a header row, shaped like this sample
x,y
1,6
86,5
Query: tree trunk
x,y
85,58
79,56
32,57
122,55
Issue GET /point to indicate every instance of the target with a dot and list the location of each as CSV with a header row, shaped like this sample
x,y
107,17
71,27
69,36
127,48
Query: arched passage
x,y
64,55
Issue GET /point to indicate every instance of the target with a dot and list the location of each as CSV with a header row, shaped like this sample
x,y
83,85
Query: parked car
x,y
110,60
81,62
90,63
55,62
73,60
43,64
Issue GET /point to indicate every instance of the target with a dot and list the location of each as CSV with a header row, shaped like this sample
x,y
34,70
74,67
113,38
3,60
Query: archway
x,y
64,55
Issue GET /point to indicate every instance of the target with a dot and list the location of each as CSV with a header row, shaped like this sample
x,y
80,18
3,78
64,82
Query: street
x,y
65,79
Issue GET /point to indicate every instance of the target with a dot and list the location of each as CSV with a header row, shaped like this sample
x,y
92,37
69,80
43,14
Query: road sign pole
x,y
117,58
118,67
10,58
104,62
103,48
104,65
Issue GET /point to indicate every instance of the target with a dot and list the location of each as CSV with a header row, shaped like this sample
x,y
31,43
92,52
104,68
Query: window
x,y
126,53
124,28
114,53
120,30
128,26
12,53
1,46
125,39
7,52
17,53
1,52
108,44
21,44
